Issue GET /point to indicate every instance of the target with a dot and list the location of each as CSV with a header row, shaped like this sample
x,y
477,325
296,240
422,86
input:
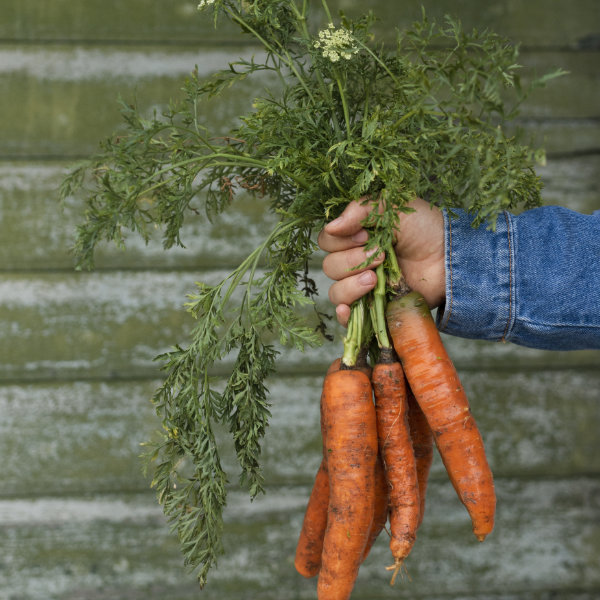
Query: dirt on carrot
x,y
395,447
438,391
351,448
422,442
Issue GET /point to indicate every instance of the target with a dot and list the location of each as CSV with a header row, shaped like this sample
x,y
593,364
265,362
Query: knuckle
x,y
333,294
322,240
328,267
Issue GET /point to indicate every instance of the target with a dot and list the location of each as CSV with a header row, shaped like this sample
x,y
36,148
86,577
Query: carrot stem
x,y
395,279
377,309
355,337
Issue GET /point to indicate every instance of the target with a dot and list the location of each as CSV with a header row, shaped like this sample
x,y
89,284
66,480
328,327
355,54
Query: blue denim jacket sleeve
x,y
534,281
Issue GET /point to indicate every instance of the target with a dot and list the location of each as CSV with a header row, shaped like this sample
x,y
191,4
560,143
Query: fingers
x,y
346,231
350,221
342,313
344,239
343,263
349,289
335,243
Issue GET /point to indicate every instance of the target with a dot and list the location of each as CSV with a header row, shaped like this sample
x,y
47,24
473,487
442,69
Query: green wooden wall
x,y
77,517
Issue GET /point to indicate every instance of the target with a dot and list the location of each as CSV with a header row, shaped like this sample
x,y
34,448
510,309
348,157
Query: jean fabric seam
x,y
511,279
448,304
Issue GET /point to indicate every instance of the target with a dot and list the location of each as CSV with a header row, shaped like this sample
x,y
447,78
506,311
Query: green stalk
x,y
344,104
377,309
233,160
287,60
354,339
327,11
396,284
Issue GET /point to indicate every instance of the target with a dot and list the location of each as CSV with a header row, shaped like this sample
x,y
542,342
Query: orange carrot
x,y
422,442
437,388
380,513
395,447
351,438
310,543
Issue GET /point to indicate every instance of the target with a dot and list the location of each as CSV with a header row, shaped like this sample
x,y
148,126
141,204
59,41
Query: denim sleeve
x,y
534,281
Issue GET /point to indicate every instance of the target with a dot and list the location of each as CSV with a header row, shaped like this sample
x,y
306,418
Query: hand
x,y
419,248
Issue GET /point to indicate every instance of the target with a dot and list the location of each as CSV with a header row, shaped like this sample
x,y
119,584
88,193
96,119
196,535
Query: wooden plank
x,y
531,23
38,233
113,324
28,204
80,437
61,101
117,546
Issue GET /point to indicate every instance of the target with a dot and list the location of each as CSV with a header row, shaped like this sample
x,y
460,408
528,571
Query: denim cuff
x,y
480,295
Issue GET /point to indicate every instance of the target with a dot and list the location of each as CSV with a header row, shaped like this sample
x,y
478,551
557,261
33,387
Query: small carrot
x,y
395,447
310,542
351,438
437,388
422,442
380,512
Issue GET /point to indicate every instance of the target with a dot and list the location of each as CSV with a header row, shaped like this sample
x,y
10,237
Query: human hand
x,y
419,248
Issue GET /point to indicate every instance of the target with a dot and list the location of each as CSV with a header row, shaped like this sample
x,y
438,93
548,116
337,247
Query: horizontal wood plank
x,y
61,101
118,546
84,437
38,233
531,23
113,324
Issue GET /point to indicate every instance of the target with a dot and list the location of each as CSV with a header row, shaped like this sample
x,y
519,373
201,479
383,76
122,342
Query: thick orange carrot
x,y
310,542
395,447
422,442
351,438
437,388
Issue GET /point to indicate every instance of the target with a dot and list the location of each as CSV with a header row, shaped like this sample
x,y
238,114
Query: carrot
x,y
380,512
422,441
310,543
437,388
351,438
395,447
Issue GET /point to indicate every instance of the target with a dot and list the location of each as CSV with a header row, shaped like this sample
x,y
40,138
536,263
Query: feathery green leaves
x,y
343,117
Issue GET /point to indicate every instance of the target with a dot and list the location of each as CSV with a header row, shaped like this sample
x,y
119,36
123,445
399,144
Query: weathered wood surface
x,y
78,520
83,437
113,324
68,94
116,546
560,23
28,207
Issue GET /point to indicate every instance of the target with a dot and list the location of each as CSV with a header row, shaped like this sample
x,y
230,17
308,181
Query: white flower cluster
x,y
205,3
336,43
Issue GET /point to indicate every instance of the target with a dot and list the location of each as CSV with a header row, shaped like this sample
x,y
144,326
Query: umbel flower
x,y
336,43
205,3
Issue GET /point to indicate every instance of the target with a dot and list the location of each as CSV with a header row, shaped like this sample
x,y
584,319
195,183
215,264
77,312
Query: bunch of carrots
x,y
378,425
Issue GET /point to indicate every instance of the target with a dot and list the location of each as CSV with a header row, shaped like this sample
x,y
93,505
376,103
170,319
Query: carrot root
x,y
439,393
351,437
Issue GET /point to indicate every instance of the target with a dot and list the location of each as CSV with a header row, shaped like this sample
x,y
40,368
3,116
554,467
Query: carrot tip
x,y
481,537
396,568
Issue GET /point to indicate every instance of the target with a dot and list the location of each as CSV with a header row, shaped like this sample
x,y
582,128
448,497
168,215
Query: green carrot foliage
x,y
344,117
